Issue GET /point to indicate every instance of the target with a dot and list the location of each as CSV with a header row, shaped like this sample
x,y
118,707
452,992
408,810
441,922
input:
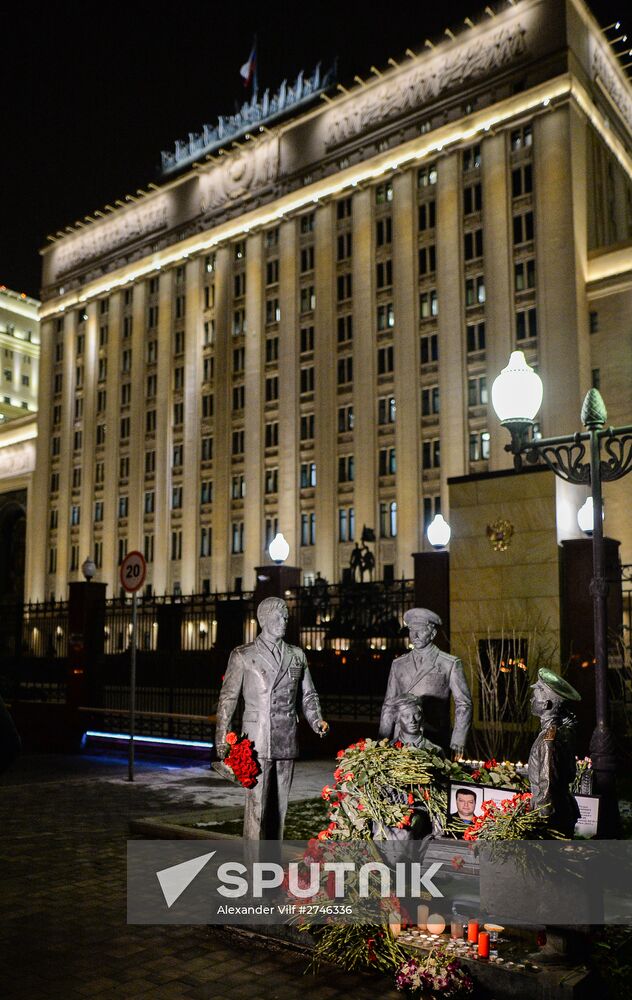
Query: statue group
x,y
272,680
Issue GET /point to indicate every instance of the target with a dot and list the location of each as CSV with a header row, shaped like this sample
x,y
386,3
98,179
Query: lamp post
x,y
576,458
438,532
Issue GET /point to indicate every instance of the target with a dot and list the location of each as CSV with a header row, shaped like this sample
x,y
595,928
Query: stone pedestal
x,y
432,589
273,581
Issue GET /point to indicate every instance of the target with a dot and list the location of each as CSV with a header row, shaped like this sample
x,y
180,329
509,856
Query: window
x,y
345,419
383,274
385,360
178,342
208,401
54,482
475,337
176,544
152,316
521,181
239,250
479,446
472,199
206,491
272,350
388,519
239,397
124,428
103,336
273,311
150,498
307,223
103,369
205,542
471,158
237,445
271,434
431,454
475,291
346,524
345,328
209,333
239,284
150,462
148,548
207,449
151,387
271,530
307,339
25,380
80,345
432,507
429,348
427,176
477,391
177,456
124,467
385,316
387,465
308,529
176,497
343,208
52,560
427,215
307,380
76,477
178,414
522,228
427,259
521,138
55,445
473,244
272,272
178,378
237,532
98,554
238,487
346,469
150,422
383,193
524,274
308,474
123,506
428,304
57,411
271,480
430,401
345,369
127,327
307,259
386,410
308,299
239,322
344,244
59,352
126,394
593,321
239,359
384,231
58,380
75,514
152,352
272,388
526,324
271,238
100,436
307,427
74,558
344,287
99,473
209,263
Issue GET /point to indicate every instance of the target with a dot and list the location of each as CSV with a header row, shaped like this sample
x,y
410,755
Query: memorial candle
x,y
483,945
472,931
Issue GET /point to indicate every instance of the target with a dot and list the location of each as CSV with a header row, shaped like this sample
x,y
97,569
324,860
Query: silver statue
x,y
273,678
551,766
433,675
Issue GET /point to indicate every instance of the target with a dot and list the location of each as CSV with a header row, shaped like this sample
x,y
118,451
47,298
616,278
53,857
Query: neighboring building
x,y
302,333
17,464
19,353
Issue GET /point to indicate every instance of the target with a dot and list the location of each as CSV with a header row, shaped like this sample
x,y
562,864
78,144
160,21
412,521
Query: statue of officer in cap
x,y
432,675
551,766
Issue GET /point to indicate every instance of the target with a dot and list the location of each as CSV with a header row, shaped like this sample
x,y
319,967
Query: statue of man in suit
x,y
273,678
432,675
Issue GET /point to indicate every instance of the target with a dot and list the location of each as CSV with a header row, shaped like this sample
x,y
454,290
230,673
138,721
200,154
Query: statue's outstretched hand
x,y
323,727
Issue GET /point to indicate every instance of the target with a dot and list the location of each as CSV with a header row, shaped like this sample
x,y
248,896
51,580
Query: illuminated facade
x,y
300,332
19,353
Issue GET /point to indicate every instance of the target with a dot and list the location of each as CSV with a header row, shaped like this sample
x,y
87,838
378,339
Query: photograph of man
x,y
465,805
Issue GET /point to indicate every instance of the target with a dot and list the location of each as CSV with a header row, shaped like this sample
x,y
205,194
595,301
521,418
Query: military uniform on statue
x,y
551,766
432,675
273,678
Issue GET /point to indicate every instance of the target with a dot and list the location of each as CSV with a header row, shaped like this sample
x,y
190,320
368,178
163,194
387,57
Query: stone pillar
x,y
37,531
112,485
191,436
325,410
405,294
253,423
289,419
499,320
432,589
221,461
164,421
364,363
86,625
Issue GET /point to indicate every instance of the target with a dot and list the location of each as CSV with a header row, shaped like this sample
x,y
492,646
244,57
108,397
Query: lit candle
x,y
472,931
436,923
483,945
394,925
456,929
422,916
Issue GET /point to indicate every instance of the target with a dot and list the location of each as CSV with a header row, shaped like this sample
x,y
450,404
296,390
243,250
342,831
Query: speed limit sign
x,y
133,571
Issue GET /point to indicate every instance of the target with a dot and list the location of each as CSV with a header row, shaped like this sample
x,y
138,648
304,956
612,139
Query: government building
x,y
297,326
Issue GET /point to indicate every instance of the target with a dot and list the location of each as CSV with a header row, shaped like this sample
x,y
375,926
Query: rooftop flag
x,y
248,71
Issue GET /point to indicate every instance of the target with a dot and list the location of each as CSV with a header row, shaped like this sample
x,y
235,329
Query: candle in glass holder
x,y
456,928
395,925
422,916
436,923
483,945
472,931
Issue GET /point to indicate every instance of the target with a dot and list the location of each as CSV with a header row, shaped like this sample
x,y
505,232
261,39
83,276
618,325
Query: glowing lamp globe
x,y
279,549
517,391
585,516
439,532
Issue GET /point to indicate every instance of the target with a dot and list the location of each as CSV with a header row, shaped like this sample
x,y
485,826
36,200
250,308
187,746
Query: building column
x,y
253,414
111,482
407,448
364,363
37,531
191,435
325,415
90,366
164,421
137,424
499,320
67,428
452,362
221,456
289,419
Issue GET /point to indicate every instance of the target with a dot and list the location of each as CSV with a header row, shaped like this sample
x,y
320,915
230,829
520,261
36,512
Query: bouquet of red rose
x,y
241,760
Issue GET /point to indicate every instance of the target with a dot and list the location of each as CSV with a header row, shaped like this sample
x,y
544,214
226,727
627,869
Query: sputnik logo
x,y
174,880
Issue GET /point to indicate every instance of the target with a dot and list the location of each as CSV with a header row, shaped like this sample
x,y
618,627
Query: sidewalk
x,y
63,934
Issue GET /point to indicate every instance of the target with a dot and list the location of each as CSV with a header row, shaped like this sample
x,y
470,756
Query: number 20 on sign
x,y
133,571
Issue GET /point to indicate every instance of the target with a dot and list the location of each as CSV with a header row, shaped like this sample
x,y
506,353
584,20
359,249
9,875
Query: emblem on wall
x,y
500,533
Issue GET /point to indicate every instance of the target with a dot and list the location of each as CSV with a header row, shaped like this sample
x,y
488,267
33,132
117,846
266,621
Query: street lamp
x,y
438,532
575,458
279,549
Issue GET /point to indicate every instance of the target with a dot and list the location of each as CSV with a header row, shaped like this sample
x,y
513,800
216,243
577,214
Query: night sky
x,y
92,92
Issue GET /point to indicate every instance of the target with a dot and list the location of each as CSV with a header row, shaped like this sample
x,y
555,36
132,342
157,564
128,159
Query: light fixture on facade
x,y
279,549
439,532
517,395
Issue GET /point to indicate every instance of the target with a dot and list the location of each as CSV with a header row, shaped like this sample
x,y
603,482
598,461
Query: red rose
x,y
411,798
231,738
